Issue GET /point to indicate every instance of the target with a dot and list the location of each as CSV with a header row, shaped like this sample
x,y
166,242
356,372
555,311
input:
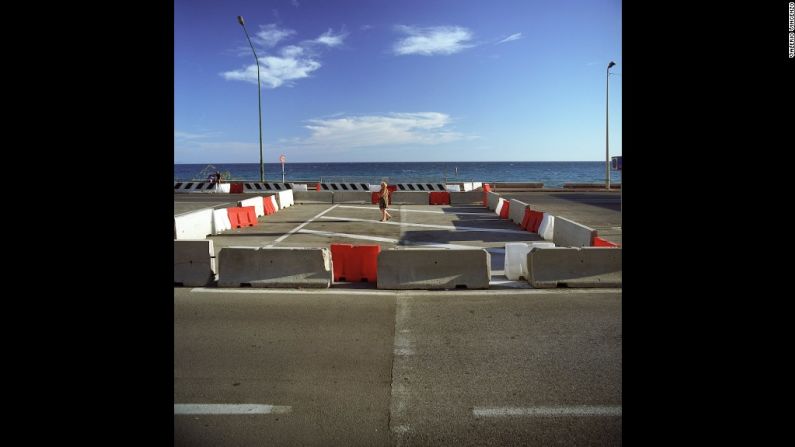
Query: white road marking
x,y
400,394
231,409
443,227
581,410
285,236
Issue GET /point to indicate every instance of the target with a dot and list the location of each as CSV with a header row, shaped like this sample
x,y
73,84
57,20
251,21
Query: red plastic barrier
x,y
233,219
339,258
439,198
242,216
525,219
365,258
248,216
506,205
486,189
355,263
236,187
267,203
535,221
599,242
317,186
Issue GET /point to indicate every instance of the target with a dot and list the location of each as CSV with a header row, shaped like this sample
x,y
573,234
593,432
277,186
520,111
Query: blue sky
x,y
384,80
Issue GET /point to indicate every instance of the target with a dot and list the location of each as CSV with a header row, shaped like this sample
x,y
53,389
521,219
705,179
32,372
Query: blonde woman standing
x,y
383,200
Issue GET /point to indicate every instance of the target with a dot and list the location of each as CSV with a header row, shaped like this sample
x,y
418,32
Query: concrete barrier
x,y
299,187
574,267
313,197
516,258
470,197
547,228
274,267
516,211
194,263
352,196
194,224
285,198
221,221
425,268
493,200
572,234
256,202
410,198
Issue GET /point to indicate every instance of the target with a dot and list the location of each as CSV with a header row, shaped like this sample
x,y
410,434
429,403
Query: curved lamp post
x,y
607,130
259,101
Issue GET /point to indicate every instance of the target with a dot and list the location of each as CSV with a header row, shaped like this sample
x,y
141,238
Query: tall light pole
x,y
259,101
607,129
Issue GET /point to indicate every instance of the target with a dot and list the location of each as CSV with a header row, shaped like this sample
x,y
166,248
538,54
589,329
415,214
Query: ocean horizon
x,y
550,173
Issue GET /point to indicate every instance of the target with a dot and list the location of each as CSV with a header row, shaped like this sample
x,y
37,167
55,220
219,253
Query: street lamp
x,y
607,130
259,101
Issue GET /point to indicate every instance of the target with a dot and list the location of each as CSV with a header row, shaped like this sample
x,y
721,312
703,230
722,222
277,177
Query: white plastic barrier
x,y
221,221
516,257
547,228
300,187
194,225
375,188
285,198
498,208
256,202
454,188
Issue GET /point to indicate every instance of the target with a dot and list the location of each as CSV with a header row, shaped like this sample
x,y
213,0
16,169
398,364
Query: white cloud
x,y
366,27
427,128
270,35
432,40
516,36
276,71
179,135
295,3
331,39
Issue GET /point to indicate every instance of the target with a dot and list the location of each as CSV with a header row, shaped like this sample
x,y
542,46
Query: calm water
x,y
551,173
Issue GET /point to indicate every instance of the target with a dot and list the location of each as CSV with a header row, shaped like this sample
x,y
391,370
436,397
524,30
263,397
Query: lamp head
x,y
608,65
240,20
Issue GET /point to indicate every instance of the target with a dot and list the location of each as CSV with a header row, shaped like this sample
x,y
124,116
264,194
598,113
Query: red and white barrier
x,y
256,202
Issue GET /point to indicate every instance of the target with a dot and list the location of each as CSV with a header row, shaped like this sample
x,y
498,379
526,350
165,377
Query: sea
x,y
550,173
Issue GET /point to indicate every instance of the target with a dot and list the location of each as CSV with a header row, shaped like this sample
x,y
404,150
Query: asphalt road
x,y
361,367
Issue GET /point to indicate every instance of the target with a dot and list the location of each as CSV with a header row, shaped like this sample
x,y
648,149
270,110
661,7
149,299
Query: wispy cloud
x,y
277,70
366,27
516,36
427,128
286,64
432,40
330,38
295,3
180,135
270,35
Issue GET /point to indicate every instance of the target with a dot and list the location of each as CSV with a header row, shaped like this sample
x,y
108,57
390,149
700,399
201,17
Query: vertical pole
x,y
607,128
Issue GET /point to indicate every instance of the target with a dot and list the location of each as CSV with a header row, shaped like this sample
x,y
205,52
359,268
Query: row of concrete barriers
x,y
397,269
199,224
